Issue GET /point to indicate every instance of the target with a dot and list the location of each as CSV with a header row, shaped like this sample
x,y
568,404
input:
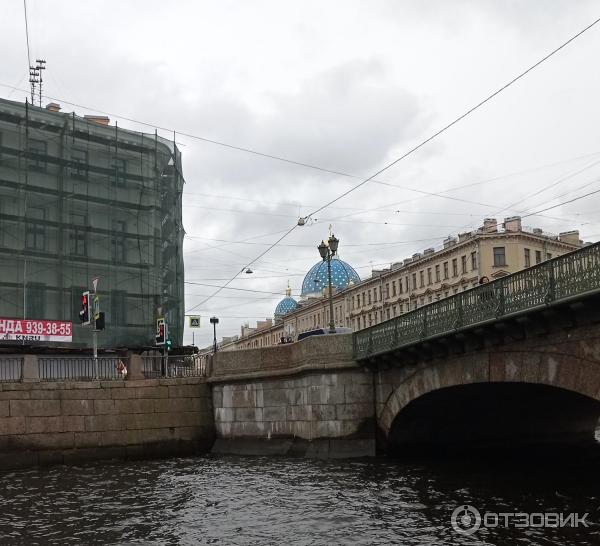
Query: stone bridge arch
x,y
569,363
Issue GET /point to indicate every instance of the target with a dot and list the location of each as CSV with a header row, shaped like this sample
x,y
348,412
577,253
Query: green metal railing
x,y
567,277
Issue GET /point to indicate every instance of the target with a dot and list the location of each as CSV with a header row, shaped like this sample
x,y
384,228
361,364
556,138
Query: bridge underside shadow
x,y
494,418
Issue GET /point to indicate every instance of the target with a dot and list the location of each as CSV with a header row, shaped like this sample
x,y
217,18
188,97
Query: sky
x,y
344,86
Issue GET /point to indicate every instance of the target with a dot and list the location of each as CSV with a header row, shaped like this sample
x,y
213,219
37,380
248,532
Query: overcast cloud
x,y
348,86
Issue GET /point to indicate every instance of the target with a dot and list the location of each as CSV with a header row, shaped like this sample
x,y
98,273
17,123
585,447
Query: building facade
x,y
492,251
79,199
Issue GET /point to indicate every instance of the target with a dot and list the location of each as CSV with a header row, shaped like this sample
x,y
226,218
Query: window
x,y
118,248
499,256
118,308
35,299
394,288
463,263
406,285
473,261
414,280
454,267
538,256
77,236
387,312
36,232
119,168
369,293
387,291
430,298
363,299
421,279
527,257
401,308
429,275
79,164
375,295
445,270
548,256
38,150
437,273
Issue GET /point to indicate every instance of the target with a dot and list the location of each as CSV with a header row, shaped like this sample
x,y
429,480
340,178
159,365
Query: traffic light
x,y
84,314
169,344
100,321
160,331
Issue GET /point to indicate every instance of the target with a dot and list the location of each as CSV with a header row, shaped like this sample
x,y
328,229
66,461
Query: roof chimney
x,y
512,224
53,107
570,237
101,120
489,225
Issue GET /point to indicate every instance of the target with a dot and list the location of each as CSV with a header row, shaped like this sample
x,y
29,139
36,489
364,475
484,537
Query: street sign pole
x,y
95,312
95,341
166,350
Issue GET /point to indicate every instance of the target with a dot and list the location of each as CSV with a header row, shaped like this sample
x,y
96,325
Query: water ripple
x,y
246,501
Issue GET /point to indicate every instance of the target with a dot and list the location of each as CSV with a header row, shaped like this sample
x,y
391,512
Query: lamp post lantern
x,y
327,252
214,321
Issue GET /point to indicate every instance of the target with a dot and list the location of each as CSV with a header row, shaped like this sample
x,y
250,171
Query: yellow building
x,y
492,251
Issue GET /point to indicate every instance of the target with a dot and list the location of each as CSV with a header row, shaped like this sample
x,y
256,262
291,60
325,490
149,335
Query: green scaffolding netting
x,y
81,199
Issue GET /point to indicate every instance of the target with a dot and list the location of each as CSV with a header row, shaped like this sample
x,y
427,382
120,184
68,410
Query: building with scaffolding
x,y
80,198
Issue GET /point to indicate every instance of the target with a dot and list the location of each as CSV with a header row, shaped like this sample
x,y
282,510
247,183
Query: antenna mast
x,y
35,77
33,80
41,65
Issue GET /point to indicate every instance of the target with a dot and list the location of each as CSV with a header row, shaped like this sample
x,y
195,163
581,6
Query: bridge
x,y
512,362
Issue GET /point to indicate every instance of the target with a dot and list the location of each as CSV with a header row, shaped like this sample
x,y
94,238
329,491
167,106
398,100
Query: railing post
x,y
551,292
500,295
395,336
135,369
30,372
424,330
458,322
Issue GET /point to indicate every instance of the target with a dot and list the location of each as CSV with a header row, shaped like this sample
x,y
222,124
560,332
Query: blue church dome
x,y
316,280
286,305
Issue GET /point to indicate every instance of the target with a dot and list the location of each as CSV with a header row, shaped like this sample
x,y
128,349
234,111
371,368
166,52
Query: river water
x,y
263,501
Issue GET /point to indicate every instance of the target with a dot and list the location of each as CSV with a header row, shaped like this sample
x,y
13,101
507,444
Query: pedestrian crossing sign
x,y
194,322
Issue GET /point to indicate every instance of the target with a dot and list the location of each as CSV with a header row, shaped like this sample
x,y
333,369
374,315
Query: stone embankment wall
x,y
308,398
47,422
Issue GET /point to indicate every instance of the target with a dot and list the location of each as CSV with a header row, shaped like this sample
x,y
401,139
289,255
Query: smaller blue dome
x,y
285,306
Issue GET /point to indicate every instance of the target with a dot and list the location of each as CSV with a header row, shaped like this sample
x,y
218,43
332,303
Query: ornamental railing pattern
x,y
560,279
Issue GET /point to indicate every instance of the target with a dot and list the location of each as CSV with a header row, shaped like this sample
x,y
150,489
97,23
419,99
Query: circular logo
x,y
466,519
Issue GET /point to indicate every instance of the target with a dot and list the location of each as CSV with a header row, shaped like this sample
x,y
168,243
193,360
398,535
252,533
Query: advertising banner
x,y
12,329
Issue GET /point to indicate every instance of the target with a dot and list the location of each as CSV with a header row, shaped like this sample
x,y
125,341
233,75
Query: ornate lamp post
x,y
214,321
327,252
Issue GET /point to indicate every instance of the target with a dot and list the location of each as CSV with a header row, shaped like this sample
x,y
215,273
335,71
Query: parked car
x,y
323,331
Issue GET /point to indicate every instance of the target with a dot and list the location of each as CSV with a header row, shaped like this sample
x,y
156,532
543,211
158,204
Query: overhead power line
x,y
459,118
564,202
27,34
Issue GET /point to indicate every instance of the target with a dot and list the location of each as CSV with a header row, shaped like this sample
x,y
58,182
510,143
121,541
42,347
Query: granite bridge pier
x,y
515,362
